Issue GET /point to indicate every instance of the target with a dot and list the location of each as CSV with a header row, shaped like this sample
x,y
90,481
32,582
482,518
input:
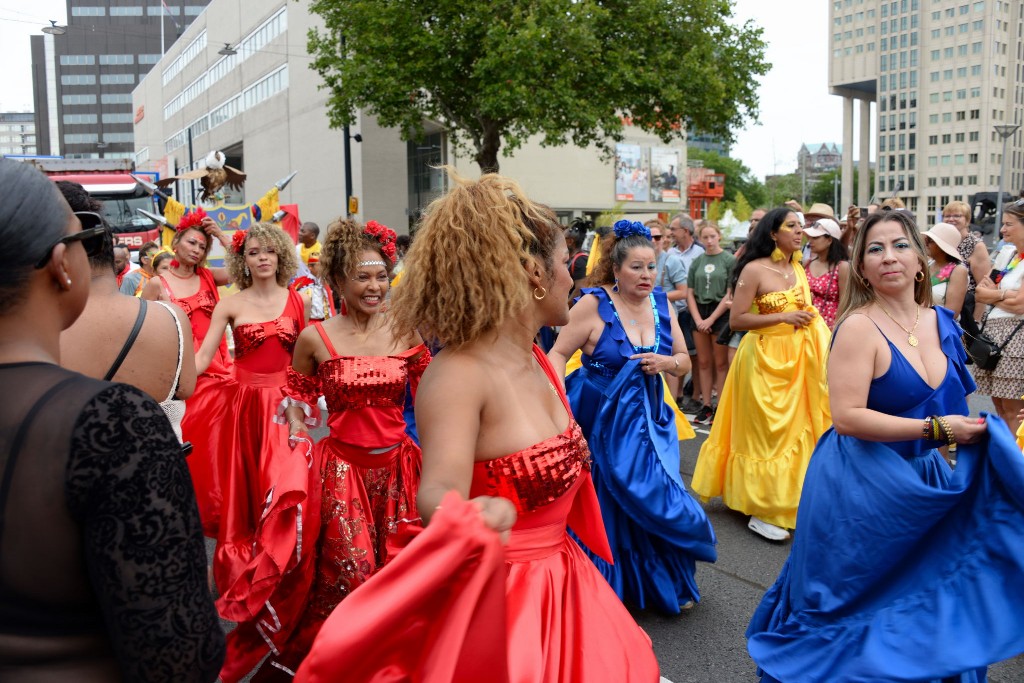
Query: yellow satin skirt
x,y
773,408
683,428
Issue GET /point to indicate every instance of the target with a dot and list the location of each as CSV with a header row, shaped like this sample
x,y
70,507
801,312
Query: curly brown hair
x,y
344,243
464,275
269,235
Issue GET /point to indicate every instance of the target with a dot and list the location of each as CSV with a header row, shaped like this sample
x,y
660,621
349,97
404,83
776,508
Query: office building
x,y
83,77
240,82
944,76
17,133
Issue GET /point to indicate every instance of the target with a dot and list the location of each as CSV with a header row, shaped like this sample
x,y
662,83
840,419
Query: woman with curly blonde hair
x,y
487,270
364,473
266,318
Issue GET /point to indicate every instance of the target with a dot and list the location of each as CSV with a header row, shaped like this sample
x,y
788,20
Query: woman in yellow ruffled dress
x,y
774,405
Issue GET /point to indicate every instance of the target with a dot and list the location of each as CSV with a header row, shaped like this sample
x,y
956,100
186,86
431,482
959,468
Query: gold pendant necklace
x,y
911,338
775,270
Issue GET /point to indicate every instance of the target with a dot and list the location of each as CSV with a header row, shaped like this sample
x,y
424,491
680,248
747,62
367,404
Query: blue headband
x,y
625,228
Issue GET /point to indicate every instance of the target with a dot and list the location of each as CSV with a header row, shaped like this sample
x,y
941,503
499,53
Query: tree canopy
x,y
496,73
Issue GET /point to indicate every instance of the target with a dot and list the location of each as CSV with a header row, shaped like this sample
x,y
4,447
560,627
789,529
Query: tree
x,y
741,208
824,189
738,178
496,73
782,188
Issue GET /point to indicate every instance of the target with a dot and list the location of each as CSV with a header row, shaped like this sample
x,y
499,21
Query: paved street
x,y
706,644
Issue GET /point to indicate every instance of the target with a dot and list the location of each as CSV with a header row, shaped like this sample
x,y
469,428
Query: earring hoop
x,y
543,294
919,277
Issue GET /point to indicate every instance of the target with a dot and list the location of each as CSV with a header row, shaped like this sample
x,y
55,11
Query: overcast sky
x,y
795,104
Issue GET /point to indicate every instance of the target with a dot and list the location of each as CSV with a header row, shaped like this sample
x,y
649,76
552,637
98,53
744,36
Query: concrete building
x,y
943,74
83,78
17,133
239,81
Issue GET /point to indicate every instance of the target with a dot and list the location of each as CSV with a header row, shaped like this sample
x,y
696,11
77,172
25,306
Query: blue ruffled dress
x,y
656,530
902,569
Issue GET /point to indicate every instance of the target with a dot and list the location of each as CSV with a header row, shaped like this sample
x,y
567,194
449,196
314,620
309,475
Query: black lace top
x,y
102,562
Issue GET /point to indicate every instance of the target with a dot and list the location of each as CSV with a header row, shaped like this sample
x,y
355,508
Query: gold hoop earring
x,y
544,293
919,277
866,283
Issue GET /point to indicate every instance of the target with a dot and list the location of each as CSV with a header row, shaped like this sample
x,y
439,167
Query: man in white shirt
x,y
687,249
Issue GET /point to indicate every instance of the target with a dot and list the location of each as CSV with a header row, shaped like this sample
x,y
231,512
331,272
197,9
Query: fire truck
x,y
112,182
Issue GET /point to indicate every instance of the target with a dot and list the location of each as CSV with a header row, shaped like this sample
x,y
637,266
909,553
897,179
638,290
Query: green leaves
x,y
495,74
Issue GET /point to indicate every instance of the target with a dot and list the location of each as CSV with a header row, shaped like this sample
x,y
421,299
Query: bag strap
x,y
128,343
181,350
1015,331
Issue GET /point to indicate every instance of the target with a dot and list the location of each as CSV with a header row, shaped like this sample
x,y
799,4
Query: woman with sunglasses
x,y
102,565
193,288
121,338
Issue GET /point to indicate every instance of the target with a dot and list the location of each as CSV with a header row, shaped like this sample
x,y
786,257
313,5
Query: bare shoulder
x,y
454,377
855,332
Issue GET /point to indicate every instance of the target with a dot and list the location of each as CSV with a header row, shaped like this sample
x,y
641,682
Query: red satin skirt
x,y
206,425
431,615
364,499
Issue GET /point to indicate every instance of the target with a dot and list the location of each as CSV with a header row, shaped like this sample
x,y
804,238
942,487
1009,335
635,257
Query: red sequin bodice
x,y
538,475
350,382
250,336
365,395
203,300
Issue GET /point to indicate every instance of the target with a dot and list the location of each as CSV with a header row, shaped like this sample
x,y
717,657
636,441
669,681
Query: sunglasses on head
x,y
92,235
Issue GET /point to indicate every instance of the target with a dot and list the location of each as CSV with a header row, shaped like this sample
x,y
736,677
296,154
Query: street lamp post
x,y
1005,131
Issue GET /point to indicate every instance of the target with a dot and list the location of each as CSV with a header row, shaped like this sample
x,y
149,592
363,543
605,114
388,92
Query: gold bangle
x,y
948,430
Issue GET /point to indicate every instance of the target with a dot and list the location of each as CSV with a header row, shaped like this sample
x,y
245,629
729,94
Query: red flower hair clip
x,y
384,235
238,241
192,219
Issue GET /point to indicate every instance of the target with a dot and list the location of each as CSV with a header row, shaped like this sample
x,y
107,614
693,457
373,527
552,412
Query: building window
x,y
88,11
961,137
77,60
118,118
80,139
79,119
193,10
947,138
126,11
78,99
161,9
117,59
972,158
78,79
933,139
149,59
117,79
972,136
116,98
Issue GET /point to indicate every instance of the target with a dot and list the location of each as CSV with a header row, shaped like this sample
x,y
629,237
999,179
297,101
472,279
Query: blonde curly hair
x,y
346,240
269,235
464,275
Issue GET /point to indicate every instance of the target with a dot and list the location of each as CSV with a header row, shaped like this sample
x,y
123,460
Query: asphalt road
x,y
706,644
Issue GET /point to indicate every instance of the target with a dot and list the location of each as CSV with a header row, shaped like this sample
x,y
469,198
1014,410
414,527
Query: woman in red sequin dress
x,y
487,270
369,467
193,288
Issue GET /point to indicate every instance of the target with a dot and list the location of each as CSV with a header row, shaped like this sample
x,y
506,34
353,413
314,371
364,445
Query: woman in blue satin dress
x,y
629,335
904,569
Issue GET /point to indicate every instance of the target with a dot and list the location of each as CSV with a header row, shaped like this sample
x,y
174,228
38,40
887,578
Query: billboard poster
x,y
664,175
632,177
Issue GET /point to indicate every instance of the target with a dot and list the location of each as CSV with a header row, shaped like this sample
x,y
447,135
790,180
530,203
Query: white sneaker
x,y
769,531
